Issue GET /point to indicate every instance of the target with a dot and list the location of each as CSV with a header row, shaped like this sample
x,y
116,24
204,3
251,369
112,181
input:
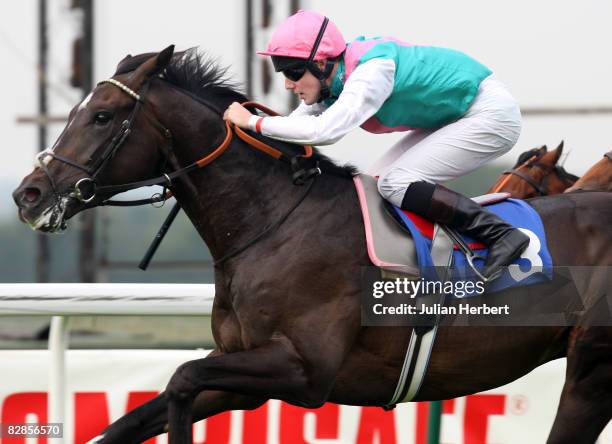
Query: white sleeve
x,y
362,96
301,110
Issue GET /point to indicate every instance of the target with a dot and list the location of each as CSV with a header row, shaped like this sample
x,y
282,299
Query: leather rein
x,y
301,174
299,177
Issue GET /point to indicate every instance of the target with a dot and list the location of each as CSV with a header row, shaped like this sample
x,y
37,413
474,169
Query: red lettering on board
x,y
217,429
292,423
375,422
90,415
478,408
255,425
17,406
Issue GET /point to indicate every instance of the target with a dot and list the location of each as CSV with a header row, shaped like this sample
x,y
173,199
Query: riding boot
x,y
444,206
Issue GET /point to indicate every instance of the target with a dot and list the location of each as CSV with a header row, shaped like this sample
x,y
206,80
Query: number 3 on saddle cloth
x,y
386,240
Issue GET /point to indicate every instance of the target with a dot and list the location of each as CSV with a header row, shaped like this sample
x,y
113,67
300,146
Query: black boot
x,y
444,206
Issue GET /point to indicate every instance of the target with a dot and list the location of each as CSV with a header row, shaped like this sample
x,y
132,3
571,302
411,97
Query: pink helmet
x,y
296,36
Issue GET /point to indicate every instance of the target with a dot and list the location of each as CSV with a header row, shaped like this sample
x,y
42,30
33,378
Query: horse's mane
x,y
203,77
566,176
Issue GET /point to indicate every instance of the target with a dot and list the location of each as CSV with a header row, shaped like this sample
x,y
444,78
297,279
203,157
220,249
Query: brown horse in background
x,y
535,173
597,178
287,310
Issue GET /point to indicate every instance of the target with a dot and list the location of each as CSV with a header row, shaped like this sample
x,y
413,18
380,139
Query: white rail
x,y
62,300
106,299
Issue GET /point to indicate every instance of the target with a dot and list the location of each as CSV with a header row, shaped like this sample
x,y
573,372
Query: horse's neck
x,y
236,196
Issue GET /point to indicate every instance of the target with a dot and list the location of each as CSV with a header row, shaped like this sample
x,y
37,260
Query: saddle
x,y
399,241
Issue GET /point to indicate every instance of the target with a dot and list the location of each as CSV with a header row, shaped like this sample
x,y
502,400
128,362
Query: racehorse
x,y
288,259
598,177
535,173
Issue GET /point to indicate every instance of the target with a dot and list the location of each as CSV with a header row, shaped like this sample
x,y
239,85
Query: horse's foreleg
x,y
275,370
586,401
129,428
151,418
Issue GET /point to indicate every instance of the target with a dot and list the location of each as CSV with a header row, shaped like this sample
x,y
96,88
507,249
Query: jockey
x,y
457,114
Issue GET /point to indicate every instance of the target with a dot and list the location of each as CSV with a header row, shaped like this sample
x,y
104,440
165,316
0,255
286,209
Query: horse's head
x,y
597,178
536,173
97,148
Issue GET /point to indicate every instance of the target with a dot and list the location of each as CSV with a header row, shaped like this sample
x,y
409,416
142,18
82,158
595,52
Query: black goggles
x,y
292,68
295,73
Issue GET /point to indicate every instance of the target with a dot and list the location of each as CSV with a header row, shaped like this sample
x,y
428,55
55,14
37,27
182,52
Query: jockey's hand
x,y
237,114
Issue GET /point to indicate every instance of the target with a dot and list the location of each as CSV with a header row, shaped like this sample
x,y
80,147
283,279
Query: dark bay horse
x,y
536,173
597,178
286,316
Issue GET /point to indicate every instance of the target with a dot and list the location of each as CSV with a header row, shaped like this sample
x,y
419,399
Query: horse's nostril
x,y
31,195
27,197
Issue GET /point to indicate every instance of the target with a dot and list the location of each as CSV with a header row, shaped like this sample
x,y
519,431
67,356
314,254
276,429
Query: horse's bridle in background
x,y
542,189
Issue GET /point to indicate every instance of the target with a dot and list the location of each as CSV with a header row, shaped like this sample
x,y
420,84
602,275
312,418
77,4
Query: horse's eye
x,y
103,117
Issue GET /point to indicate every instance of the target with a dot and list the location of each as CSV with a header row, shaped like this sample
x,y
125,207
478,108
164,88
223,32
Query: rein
x,y
301,174
166,179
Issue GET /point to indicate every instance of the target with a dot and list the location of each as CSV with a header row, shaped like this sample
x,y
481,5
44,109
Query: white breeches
x,y
489,129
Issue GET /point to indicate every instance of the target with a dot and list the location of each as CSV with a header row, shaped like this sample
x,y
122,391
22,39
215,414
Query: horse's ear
x,y
124,60
558,151
553,157
152,66
543,149
164,57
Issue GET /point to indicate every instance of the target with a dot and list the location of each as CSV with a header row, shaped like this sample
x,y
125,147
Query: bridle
x,y
108,153
302,173
300,176
542,189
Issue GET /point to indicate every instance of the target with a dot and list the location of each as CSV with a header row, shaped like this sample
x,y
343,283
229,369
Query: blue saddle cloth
x,y
534,266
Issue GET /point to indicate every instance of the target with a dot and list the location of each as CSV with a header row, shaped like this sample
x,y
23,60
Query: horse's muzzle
x,y
37,208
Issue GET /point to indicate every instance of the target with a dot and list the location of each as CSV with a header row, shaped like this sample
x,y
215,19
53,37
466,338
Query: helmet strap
x,y
312,66
322,76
